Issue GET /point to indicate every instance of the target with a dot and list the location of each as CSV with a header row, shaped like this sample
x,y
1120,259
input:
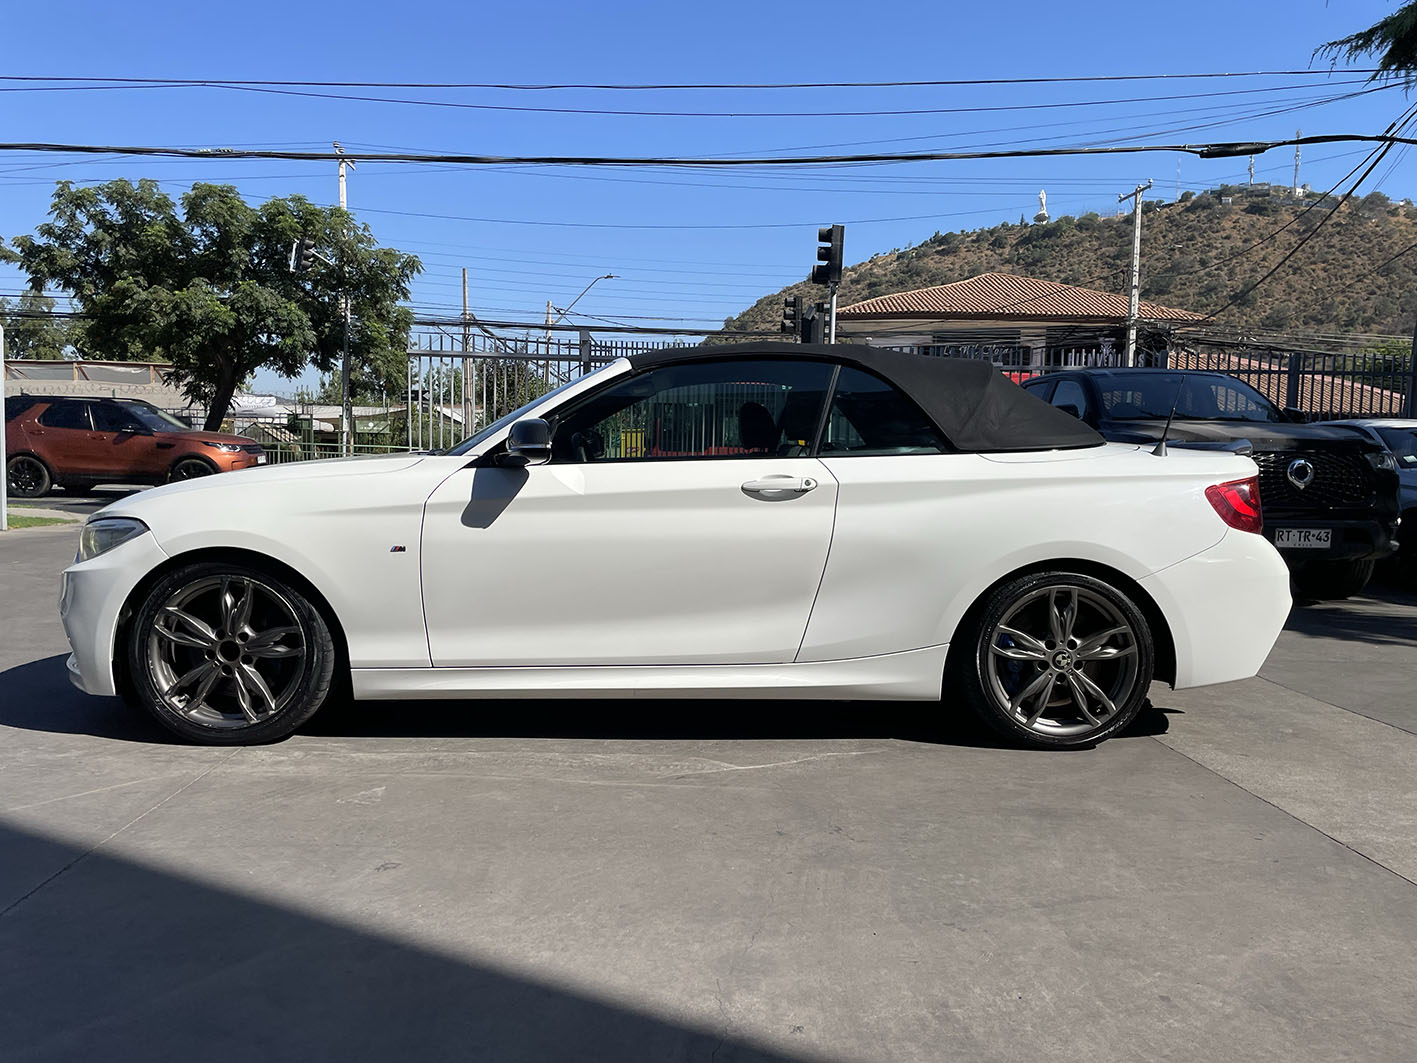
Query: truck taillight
x,y
1238,503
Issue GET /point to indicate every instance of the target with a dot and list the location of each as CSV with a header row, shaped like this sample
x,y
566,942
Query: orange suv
x,y
78,442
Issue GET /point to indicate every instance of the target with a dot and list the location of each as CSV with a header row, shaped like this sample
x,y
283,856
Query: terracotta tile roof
x,y
1005,296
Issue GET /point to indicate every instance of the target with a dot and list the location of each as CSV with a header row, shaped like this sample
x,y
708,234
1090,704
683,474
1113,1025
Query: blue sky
x,y
697,246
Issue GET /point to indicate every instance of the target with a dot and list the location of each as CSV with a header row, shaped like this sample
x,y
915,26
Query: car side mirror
x,y
528,443
1297,415
1068,407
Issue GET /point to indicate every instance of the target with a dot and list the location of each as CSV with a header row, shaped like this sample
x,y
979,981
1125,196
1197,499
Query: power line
x,y
675,86
1377,156
739,114
1216,150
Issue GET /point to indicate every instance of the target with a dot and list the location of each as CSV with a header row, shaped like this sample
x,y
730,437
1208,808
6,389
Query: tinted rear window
x,y
65,414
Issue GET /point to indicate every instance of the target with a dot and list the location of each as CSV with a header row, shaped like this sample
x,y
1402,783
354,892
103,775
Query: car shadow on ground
x,y
116,959
38,697
1383,615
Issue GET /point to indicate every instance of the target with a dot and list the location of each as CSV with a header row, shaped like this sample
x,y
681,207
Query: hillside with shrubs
x,y
1198,253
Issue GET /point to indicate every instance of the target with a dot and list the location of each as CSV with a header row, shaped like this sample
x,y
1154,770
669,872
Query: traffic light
x,y
791,315
302,255
828,268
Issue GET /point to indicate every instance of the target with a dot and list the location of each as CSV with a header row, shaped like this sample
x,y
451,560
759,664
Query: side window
x,y
110,418
66,415
726,409
1072,393
869,416
1042,387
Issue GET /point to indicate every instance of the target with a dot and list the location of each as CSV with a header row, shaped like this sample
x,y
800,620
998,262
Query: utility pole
x,y
1134,304
1297,133
549,322
346,405
466,316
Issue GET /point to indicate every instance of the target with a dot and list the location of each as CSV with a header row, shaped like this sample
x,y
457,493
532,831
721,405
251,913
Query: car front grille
x,y
1341,481
254,448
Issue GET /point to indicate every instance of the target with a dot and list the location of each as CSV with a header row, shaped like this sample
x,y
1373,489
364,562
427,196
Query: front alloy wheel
x,y
190,469
1060,659
228,655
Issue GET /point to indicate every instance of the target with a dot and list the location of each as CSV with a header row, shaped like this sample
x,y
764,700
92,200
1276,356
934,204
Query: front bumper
x,y
1349,540
91,598
1225,607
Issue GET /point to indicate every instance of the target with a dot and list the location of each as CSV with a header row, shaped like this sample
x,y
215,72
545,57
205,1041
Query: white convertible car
x,y
766,520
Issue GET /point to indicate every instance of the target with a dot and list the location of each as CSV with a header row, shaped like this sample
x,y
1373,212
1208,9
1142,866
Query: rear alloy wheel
x,y
1328,581
28,477
225,654
190,469
1059,659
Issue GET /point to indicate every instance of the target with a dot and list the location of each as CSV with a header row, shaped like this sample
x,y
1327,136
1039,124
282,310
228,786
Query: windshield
x,y
152,417
1403,444
474,441
1148,396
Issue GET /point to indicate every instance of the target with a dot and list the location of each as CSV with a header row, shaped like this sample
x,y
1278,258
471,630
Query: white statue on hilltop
x,y
1042,215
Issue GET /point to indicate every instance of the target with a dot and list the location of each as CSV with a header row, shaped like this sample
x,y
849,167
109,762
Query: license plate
x,y
1304,538
260,459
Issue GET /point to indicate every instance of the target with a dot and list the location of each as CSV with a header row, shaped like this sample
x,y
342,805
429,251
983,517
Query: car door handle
x,y
779,486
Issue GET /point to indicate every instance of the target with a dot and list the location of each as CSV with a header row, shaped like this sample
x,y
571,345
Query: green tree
x,y
1393,39
210,290
33,330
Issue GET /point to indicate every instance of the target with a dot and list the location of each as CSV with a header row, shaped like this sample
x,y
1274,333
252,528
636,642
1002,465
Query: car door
x,y
907,506
63,436
680,521
124,447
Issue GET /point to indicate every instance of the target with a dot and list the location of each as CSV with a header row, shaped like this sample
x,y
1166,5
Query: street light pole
x,y
346,405
577,299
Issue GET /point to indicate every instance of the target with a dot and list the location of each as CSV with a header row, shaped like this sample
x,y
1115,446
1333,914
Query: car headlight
x,y
225,448
1384,461
101,536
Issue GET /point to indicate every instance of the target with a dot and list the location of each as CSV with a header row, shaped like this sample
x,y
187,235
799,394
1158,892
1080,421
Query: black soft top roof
x,y
974,405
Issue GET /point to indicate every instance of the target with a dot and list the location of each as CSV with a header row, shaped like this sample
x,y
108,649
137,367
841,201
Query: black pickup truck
x,y
1328,497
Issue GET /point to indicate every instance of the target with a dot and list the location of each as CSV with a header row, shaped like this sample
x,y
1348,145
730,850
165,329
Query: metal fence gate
x,y
460,381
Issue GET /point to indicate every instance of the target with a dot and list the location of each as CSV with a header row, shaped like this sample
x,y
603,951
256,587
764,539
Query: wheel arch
x,y
27,453
253,558
1162,638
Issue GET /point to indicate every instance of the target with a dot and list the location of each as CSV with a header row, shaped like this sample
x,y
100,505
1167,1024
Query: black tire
x,y
189,469
1020,669
188,659
1327,581
28,477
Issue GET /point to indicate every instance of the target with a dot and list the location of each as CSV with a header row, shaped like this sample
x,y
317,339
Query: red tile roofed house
x,y
1014,321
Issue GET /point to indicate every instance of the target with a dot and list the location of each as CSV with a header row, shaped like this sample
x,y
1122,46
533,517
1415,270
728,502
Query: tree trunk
x,y
221,398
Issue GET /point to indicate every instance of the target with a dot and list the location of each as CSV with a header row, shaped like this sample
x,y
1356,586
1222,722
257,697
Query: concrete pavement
x,y
1231,880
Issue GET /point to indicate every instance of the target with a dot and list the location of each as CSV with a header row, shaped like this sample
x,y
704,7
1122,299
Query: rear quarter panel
x,y
918,539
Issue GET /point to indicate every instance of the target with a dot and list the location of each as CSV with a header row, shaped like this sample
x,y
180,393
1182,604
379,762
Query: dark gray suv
x,y
1328,496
